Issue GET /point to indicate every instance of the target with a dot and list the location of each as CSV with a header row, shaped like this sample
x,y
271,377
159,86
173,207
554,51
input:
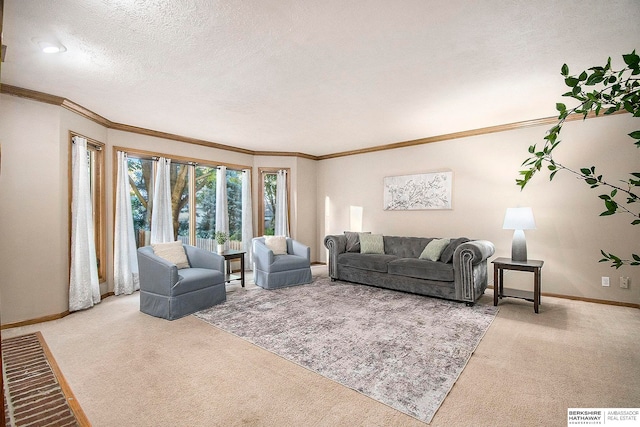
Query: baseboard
x,y
45,318
585,299
36,320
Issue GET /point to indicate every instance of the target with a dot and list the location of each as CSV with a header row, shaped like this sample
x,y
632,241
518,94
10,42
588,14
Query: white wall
x,y
569,231
33,211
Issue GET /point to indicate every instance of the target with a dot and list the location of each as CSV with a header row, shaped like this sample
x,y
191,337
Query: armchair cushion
x,y
193,279
172,252
287,262
278,244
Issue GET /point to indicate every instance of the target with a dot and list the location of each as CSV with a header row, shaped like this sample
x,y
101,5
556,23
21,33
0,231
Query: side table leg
x,y
242,270
536,290
496,285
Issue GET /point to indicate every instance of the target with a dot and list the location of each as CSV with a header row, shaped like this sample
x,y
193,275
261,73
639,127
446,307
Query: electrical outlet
x,y
605,281
624,282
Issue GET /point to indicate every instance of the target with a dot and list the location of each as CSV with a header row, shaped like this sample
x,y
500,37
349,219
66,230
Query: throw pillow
x,y
447,254
371,243
353,241
172,252
433,249
278,244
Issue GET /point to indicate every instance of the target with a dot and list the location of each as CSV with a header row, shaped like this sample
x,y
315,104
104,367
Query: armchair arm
x,y
262,256
200,258
300,249
336,244
157,275
470,268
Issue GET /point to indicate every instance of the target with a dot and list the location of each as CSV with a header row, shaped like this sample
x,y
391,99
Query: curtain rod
x,y
89,143
175,162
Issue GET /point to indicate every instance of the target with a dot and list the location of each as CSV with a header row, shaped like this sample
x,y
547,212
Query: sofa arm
x,y
300,249
157,275
263,257
474,251
336,244
201,258
470,269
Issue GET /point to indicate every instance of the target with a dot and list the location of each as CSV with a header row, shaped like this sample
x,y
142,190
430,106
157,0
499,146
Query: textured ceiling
x,y
314,76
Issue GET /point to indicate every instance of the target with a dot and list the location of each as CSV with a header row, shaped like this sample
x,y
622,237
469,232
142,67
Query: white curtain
x,y
247,217
161,218
222,212
125,259
84,288
282,217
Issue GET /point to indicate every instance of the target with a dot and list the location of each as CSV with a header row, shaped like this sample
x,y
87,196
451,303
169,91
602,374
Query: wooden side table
x,y
501,264
228,256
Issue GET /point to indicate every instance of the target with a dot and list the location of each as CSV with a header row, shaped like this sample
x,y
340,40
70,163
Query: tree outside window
x,y
193,200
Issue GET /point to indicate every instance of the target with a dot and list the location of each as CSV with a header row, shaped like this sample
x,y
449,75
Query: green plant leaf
x,y
632,60
572,82
564,70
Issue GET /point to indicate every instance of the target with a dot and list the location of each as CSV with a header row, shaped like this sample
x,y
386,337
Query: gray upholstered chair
x,y
277,271
171,293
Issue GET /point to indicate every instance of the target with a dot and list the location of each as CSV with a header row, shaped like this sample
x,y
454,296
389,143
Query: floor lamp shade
x,y
519,219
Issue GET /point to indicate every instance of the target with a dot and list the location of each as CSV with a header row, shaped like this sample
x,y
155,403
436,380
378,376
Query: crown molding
x,y
88,114
84,112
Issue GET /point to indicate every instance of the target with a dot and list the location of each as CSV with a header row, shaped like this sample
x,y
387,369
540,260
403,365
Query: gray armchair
x,y
170,293
277,271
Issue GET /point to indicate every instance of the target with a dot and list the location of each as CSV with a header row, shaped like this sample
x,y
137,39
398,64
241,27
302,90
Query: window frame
x,y
261,208
98,198
191,161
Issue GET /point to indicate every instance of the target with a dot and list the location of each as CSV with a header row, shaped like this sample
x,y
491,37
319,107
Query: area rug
x,y
35,391
400,349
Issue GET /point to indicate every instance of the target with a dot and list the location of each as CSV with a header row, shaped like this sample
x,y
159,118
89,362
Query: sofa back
x,y
405,247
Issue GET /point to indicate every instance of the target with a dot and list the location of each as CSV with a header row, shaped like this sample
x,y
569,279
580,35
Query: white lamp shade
x,y
519,219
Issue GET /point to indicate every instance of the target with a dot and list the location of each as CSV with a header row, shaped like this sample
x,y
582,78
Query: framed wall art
x,y
418,192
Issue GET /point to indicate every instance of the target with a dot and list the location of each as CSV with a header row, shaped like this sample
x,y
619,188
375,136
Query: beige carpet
x,y
127,368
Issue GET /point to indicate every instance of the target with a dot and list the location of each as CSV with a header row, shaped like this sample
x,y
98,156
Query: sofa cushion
x,y
405,247
172,252
422,269
433,249
353,241
447,254
371,243
287,263
372,262
193,279
278,244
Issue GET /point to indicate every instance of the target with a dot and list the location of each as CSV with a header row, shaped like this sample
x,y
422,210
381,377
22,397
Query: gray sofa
x,y
459,274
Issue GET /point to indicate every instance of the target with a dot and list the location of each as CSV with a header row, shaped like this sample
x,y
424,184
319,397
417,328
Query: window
x,y
141,173
95,154
193,190
234,204
267,200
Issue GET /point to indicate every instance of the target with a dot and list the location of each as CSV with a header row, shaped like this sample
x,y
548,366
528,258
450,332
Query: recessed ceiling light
x,y
49,46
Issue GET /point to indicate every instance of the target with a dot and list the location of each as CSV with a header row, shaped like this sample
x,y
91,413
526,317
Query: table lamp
x,y
519,219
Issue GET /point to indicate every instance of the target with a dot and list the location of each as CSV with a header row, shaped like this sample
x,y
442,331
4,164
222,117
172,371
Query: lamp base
x,y
519,246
